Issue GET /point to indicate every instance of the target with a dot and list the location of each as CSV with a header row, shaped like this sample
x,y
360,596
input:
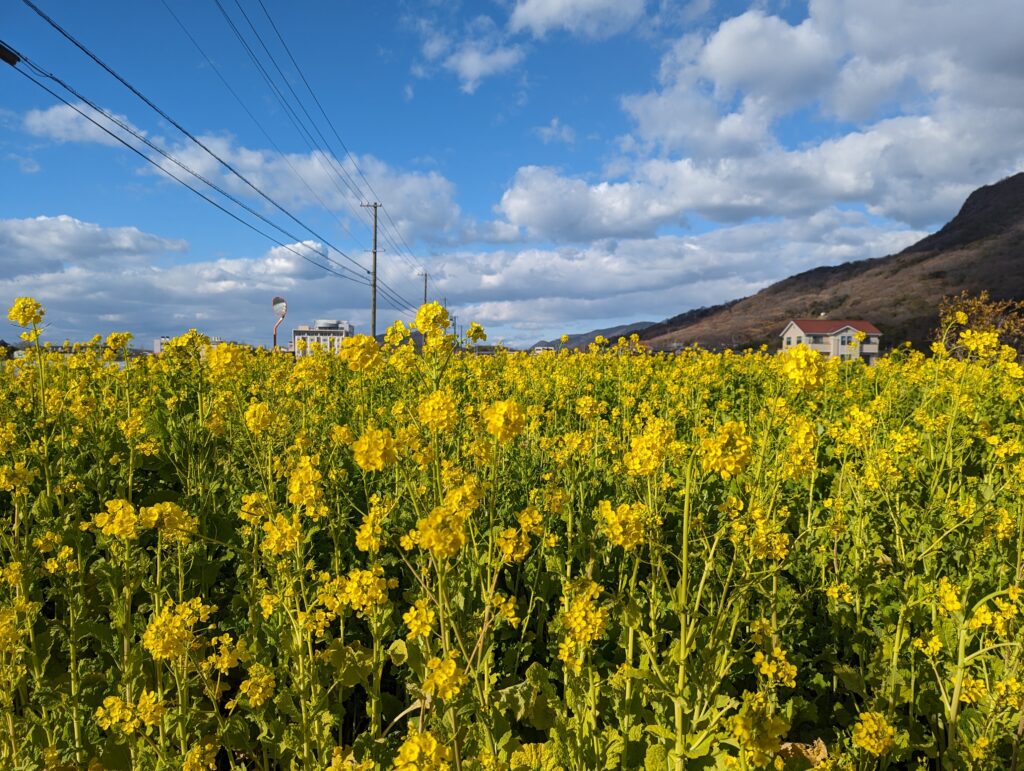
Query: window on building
x,y
789,341
799,339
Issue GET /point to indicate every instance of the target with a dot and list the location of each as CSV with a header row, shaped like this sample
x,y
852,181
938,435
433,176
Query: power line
x,y
147,158
256,120
128,128
337,136
182,129
289,111
296,121
84,49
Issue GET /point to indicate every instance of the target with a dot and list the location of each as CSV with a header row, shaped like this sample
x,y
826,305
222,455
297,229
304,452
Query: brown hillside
x,y
982,248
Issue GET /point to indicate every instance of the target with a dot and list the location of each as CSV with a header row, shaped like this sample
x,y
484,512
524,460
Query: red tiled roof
x,y
828,326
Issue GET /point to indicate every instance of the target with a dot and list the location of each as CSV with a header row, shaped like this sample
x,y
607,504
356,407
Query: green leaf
x,y
353,661
398,652
851,678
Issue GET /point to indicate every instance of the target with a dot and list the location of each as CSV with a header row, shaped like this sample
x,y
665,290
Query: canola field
x,y
393,558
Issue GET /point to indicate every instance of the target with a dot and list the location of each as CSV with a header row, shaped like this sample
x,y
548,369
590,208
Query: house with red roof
x,y
841,338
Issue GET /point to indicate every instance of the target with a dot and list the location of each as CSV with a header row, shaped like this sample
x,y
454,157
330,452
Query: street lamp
x,y
280,310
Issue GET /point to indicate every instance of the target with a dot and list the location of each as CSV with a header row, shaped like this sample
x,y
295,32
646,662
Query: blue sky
x,y
555,165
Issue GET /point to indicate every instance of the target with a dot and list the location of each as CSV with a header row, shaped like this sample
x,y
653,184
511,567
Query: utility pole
x,y
425,287
373,283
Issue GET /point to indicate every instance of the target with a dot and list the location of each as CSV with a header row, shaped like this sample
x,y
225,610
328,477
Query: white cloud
x,y
474,60
94,279
421,203
62,123
41,245
765,57
556,131
587,18
520,294
532,293
481,51
26,164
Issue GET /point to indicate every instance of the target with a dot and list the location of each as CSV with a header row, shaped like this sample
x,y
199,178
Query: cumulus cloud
x,y
532,292
480,51
421,204
474,60
62,123
520,294
935,113
42,245
94,279
765,57
556,131
587,18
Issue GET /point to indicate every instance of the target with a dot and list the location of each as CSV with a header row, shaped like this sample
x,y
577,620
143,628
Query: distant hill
x,y
584,339
982,248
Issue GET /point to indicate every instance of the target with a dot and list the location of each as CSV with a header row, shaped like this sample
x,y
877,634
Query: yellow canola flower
x,y
201,757
758,730
419,619
647,451
281,534
437,411
371,529
444,678
931,648
170,634
174,523
117,715
258,418
624,525
258,687
776,668
513,544
727,453
508,609
873,733
949,596
803,366
972,689
361,353
304,486
26,312
476,333
583,620
504,420
432,319
120,520
375,449
421,751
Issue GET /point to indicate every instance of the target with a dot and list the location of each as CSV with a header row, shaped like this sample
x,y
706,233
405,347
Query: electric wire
x,y
351,183
67,35
323,112
84,49
177,179
411,262
297,122
130,130
325,149
290,113
257,122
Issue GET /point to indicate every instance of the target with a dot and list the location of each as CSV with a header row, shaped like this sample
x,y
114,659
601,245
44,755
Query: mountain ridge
x,y
980,249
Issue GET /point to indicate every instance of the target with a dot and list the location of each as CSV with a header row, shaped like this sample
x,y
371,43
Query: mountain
x,y
584,339
982,248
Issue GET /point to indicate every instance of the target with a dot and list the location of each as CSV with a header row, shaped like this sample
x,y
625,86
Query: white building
x,y
834,338
160,342
326,333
